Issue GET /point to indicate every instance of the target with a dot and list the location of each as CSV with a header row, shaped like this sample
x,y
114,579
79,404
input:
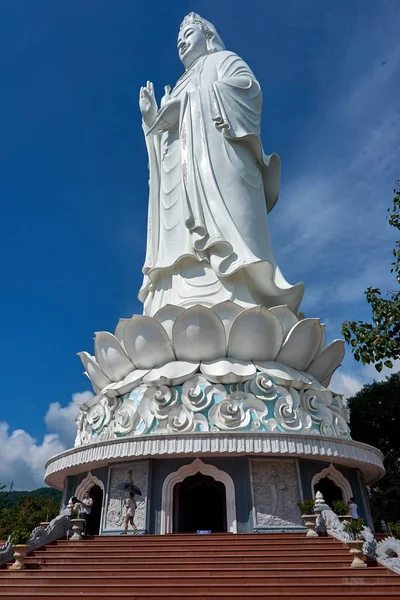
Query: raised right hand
x,y
148,104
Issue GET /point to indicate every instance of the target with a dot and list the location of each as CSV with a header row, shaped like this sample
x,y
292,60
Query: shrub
x,y
306,507
394,529
19,536
340,507
354,528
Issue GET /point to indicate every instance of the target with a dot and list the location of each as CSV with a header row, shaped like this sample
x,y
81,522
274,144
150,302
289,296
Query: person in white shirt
x,y
85,510
353,508
130,506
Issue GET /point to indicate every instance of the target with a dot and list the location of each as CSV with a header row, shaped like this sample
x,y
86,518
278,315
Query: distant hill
x,y
11,499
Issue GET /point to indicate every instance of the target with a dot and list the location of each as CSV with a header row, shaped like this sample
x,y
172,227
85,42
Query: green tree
x,y
379,341
375,420
27,514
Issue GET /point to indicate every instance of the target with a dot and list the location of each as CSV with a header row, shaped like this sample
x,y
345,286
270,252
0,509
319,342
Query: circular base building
x,y
214,444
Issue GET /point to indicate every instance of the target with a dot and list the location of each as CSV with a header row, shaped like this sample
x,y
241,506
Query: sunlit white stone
x,y
301,344
256,334
199,334
283,375
129,383
119,330
174,373
227,370
93,370
147,343
287,318
227,312
111,357
167,316
328,361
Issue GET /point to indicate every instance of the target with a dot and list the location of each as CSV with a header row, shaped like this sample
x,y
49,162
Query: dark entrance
x,y
199,503
329,490
95,516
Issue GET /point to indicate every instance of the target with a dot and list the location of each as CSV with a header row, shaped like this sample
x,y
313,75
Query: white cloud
x,y
345,384
61,419
22,458
348,383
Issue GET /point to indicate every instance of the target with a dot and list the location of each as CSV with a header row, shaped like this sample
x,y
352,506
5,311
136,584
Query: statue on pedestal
x,y
211,184
221,345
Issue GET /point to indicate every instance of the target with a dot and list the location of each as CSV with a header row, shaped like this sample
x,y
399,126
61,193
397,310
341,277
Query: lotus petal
x,y
129,383
301,344
326,381
199,334
147,343
84,406
287,318
256,334
111,357
167,316
93,370
95,388
323,339
119,330
328,361
227,371
284,375
227,312
174,373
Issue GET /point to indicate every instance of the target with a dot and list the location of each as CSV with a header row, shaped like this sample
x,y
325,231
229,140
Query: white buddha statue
x,y
211,185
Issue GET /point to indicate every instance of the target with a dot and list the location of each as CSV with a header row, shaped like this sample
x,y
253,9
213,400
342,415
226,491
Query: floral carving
x,y
259,404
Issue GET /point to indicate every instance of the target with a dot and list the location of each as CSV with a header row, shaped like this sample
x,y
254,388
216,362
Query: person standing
x,y
85,510
130,505
353,509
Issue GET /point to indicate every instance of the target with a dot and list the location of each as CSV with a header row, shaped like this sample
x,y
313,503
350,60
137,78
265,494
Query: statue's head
x,y
196,38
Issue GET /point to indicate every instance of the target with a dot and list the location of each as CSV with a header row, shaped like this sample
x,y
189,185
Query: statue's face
x,y
191,44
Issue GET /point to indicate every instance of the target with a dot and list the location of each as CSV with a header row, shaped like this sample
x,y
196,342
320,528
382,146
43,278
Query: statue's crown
x,y
192,18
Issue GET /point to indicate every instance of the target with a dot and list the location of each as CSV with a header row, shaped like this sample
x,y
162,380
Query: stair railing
x,y
40,536
386,552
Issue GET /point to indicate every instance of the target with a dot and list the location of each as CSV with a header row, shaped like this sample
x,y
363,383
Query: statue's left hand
x,y
148,104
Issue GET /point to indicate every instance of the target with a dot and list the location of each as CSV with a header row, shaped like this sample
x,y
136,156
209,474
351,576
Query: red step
x,y
252,566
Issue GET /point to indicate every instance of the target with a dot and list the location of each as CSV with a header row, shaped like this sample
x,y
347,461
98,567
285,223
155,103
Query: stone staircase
x,y
197,566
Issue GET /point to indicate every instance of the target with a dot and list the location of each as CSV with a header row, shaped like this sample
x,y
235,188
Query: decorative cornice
x,y
334,450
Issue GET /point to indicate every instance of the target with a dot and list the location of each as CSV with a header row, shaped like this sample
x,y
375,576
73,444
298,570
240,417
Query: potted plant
x,y
18,539
342,510
307,512
354,529
77,525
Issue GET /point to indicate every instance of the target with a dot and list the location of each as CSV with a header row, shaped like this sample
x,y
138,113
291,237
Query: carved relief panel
x,y
136,472
275,493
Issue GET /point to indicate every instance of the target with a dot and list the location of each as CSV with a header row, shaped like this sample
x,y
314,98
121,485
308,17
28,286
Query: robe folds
x,y
211,186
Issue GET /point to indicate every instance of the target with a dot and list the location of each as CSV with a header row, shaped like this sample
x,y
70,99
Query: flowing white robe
x,y
210,188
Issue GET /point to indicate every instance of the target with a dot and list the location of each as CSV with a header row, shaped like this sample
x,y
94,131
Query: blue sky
x,y
73,176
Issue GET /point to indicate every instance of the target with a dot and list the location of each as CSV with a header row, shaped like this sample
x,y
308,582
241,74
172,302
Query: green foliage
x,y
375,420
354,528
340,507
394,529
20,535
379,341
28,513
10,498
74,513
306,507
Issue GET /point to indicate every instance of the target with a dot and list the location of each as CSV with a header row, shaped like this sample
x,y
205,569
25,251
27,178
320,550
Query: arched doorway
x,y
329,490
96,493
199,504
